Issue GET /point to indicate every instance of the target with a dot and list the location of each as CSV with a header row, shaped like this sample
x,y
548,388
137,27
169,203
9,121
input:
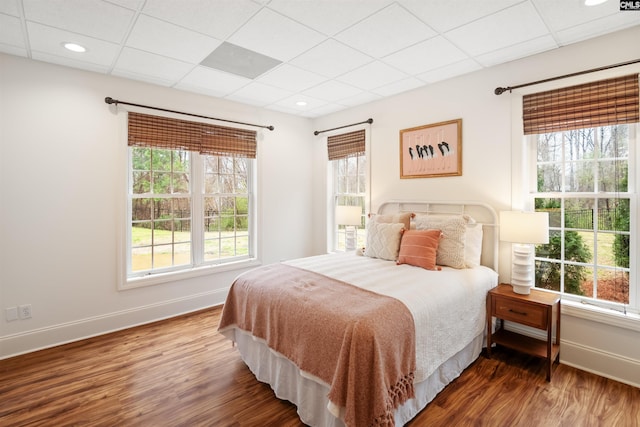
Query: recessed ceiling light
x,y
74,47
593,2
301,103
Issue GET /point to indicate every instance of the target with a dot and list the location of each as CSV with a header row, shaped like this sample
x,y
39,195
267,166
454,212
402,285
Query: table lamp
x,y
524,230
350,217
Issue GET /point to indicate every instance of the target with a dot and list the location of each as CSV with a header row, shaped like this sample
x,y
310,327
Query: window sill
x,y
602,315
156,279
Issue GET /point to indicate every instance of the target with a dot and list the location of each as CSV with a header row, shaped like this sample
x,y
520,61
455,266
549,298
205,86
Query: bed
x,y
370,338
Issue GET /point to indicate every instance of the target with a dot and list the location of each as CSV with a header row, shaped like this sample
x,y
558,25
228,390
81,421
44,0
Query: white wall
x,y
492,141
62,180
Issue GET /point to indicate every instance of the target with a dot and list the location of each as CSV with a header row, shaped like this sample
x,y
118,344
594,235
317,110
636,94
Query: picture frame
x,y
431,151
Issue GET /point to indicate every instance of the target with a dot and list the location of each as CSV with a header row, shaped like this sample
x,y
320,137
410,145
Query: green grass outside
x,y
214,249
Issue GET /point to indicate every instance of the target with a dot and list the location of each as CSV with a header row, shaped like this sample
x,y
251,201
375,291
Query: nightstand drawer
x,y
526,314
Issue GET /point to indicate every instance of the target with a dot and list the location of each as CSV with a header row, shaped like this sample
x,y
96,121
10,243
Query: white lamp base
x,y
350,233
522,274
522,290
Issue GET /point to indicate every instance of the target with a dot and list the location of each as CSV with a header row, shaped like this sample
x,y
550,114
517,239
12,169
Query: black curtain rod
x,y
110,100
501,90
317,132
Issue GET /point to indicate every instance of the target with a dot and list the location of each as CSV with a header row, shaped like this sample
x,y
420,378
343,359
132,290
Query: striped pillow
x,y
419,247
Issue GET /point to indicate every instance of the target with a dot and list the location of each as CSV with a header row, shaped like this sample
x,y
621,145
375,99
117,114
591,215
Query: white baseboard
x,y
51,336
594,360
599,362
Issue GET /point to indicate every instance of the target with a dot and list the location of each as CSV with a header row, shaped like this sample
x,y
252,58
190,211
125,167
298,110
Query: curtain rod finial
x,y
270,127
109,100
370,121
500,90
316,133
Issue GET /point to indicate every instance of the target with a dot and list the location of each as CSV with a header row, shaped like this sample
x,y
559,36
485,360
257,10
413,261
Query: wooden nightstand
x,y
536,310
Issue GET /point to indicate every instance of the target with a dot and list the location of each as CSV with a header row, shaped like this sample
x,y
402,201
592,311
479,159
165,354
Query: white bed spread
x,y
448,306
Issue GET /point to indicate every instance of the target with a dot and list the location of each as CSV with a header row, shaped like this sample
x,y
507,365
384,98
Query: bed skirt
x,y
309,394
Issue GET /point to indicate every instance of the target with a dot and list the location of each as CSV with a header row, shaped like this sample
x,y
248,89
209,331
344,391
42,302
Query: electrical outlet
x,y
11,314
25,311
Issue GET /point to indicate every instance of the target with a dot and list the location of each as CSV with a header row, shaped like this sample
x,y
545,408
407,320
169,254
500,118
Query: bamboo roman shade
x,y
346,144
162,132
602,103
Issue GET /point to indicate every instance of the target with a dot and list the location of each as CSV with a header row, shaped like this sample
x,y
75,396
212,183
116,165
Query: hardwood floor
x,y
181,372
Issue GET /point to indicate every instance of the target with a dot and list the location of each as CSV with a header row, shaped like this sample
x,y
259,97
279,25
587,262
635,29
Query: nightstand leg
x,y
549,343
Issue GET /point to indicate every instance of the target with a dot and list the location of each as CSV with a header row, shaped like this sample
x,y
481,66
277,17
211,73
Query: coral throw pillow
x,y
419,248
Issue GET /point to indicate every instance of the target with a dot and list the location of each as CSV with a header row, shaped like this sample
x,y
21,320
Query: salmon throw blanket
x,y
360,343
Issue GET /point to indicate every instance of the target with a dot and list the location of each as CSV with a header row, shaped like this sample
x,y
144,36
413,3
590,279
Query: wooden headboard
x,y
481,212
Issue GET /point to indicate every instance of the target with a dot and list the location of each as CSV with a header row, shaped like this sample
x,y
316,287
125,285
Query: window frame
x,y
336,195
172,274
530,193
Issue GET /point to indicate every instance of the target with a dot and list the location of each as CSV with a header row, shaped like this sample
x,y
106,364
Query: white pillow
x,y
473,235
473,245
402,217
383,240
451,250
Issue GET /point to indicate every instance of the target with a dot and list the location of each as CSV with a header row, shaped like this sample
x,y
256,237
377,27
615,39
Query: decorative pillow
x,y
473,245
418,248
383,240
452,244
404,218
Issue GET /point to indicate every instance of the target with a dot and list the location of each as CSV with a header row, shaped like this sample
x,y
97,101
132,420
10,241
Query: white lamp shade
x,y
524,227
348,215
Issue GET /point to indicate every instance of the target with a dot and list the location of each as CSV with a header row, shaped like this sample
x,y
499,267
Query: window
x,y
349,182
348,171
190,203
585,176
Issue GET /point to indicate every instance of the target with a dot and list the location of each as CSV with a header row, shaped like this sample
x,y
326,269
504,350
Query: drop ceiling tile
x,y
327,16
144,65
598,28
287,110
520,50
10,8
372,75
289,77
259,94
427,55
70,62
398,87
449,71
216,18
331,58
214,82
332,91
385,32
505,28
290,103
159,37
48,40
13,50
324,110
11,31
361,98
445,15
560,15
93,18
270,33
129,4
